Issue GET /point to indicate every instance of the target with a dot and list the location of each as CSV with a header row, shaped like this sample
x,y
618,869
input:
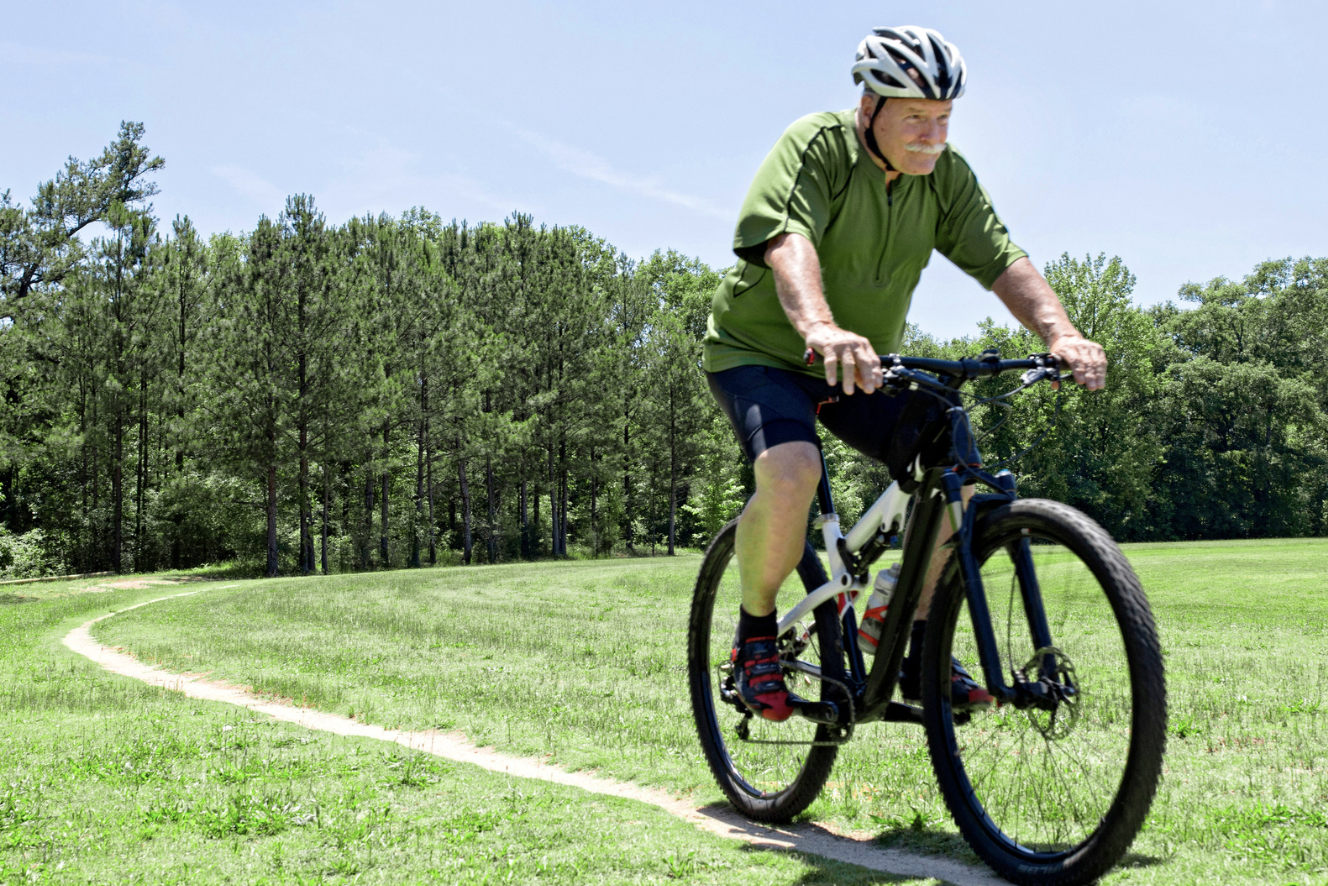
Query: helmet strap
x,y
871,135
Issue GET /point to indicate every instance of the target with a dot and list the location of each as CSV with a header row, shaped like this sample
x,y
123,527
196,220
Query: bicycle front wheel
x,y
769,771
1050,795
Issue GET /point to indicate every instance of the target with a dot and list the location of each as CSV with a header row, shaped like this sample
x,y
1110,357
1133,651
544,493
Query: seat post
x,y
823,498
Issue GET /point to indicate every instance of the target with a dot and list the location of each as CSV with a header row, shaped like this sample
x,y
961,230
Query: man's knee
x,y
789,470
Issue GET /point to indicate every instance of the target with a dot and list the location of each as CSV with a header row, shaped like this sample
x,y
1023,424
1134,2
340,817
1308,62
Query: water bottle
x,y
873,620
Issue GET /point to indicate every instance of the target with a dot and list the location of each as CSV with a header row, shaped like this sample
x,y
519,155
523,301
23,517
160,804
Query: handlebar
x,y
986,365
949,375
953,373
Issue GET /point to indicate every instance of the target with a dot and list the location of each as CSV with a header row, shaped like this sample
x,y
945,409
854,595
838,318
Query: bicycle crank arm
x,y
825,713
899,712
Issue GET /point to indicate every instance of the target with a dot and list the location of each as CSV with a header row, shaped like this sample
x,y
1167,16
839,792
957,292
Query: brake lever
x,y
1035,375
1050,368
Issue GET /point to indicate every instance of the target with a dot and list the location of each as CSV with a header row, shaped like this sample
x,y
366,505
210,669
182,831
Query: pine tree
x,y
185,279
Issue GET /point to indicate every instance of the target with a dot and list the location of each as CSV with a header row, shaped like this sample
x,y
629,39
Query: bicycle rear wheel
x,y
774,770
1051,797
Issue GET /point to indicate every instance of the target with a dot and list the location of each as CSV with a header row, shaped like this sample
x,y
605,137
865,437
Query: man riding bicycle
x,y
834,233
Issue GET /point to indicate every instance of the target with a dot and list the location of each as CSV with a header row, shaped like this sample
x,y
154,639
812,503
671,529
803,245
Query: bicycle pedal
x,y
728,694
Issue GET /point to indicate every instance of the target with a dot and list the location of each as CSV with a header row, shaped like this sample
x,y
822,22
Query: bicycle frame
x,y
939,490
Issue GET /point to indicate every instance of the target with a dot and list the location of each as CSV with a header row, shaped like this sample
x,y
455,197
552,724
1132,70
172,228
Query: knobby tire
x,y
1036,805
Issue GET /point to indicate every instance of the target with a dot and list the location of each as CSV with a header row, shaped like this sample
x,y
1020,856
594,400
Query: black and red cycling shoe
x,y
759,679
966,694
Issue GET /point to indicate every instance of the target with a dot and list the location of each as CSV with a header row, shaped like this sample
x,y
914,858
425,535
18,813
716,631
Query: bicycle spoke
x,y
976,752
1088,778
1069,791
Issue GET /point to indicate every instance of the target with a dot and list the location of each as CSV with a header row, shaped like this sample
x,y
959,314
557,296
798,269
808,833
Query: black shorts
x,y
769,406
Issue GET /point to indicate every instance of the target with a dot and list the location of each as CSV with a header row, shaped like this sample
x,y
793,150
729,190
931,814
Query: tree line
x,y
403,391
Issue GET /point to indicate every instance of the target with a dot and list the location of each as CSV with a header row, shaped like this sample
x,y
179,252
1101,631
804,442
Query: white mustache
x,y
925,149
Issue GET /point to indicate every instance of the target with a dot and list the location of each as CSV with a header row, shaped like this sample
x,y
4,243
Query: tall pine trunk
x,y
117,491
562,498
428,486
493,523
465,512
535,523
302,411
177,518
302,418
306,518
87,476
272,505
627,482
347,485
117,456
7,499
97,537
553,505
594,494
80,542
327,502
387,477
424,482
365,560
141,472
673,485
419,497
525,523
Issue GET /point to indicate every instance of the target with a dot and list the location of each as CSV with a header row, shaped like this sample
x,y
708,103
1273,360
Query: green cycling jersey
x,y
872,242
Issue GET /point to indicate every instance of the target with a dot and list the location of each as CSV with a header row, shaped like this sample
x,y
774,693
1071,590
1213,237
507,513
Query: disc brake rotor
x,y
1054,670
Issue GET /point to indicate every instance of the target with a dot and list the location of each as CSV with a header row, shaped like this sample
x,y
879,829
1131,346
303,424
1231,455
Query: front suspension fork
x,y
1026,577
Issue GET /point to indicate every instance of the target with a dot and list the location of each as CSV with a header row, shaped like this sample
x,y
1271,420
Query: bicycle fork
x,y
1028,690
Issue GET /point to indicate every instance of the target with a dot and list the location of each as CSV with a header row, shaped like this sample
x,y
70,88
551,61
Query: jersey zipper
x,y
889,229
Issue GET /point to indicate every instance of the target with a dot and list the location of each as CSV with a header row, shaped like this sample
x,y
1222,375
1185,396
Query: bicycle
x,y
1050,785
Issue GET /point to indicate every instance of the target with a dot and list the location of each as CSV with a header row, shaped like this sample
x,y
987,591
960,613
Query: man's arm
x,y
792,259
1034,304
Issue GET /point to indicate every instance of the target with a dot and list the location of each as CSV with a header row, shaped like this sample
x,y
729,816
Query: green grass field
x,y
106,780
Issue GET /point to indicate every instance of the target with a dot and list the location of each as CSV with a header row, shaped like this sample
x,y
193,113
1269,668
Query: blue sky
x,y
1184,137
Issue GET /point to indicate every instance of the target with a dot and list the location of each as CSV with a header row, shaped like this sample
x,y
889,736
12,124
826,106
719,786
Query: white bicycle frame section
x,y
886,514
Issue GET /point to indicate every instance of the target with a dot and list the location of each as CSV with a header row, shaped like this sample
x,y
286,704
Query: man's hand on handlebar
x,y
1084,358
839,347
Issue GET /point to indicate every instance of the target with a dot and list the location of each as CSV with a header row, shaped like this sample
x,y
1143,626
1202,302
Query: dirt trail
x,y
812,839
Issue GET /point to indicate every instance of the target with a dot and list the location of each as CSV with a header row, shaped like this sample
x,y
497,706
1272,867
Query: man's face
x,y
911,132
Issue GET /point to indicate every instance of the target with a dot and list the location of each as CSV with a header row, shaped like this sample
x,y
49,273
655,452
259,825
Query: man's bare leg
x,y
772,531
772,535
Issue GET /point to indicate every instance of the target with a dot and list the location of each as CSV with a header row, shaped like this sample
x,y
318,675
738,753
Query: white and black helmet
x,y
887,55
